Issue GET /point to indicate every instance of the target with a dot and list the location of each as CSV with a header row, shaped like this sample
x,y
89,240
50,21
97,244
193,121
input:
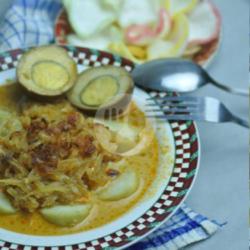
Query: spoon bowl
x,y
177,75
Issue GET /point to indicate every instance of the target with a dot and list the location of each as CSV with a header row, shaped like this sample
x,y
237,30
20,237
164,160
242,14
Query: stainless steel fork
x,y
191,108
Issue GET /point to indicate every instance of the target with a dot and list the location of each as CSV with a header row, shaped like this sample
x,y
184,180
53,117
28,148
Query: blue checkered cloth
x,y
30,22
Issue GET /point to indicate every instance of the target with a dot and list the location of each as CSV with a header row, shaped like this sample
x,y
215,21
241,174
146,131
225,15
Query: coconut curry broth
x,y
102,212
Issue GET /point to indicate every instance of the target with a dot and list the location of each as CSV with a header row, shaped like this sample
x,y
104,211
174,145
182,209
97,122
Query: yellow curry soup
x,y
29,220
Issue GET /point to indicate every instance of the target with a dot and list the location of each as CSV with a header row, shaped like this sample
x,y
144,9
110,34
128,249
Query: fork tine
x,y
176,117
178,101
176,98
174,109
180,104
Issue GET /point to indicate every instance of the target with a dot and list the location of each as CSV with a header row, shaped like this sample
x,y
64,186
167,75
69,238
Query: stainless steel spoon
x,y
176,75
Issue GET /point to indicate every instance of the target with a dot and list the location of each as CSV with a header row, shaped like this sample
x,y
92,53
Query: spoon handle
x,y
235,91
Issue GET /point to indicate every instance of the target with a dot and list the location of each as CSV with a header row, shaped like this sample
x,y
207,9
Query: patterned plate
x,y
205,57
186,153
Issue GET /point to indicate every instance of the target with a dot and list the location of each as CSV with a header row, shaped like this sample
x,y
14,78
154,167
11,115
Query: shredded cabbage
x,y
53,159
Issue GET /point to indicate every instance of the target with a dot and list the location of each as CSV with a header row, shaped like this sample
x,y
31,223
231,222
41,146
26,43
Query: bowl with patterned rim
x,y
204,57
149,214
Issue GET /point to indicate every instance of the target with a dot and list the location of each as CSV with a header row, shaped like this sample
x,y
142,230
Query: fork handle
x,y
240,121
